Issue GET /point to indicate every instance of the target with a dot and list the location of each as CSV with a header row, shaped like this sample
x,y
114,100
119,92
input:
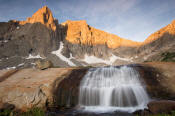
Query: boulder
x,y
29,88
54,87
43,64
162,106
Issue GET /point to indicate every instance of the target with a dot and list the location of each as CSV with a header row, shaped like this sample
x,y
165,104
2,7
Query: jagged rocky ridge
x,y
74,43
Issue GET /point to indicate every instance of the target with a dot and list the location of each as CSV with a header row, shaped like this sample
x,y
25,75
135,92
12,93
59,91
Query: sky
x,y
129,19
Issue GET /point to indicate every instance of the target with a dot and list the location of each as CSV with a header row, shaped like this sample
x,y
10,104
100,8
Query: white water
x,y
111,88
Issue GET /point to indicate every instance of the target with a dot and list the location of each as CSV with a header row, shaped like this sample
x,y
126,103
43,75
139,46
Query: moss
x,y
168,57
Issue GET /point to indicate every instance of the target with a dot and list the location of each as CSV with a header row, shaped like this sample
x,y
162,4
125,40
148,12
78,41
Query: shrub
x,y
5,112
168,56
33,112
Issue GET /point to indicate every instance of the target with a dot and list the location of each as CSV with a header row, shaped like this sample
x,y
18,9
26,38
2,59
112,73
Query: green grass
x,y
168,57
34,112
30,112
6,112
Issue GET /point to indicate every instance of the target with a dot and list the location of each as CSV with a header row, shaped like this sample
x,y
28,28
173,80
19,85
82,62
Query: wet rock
x,y
162,106
8,106
67,92
144,112
158,79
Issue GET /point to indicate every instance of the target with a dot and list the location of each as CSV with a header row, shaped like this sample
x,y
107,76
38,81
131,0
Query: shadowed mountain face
x,y
74,43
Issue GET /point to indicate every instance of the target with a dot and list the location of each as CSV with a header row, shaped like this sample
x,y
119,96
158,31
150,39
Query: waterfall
x,y
112,88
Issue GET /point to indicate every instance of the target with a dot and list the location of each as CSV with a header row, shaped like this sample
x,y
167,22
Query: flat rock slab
x,y
29,87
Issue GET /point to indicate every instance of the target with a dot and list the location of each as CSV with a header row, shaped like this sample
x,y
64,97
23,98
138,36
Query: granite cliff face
x,y
74,43
93,42
20,40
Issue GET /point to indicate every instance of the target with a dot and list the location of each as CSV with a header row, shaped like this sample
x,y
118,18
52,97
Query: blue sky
x,y
130,19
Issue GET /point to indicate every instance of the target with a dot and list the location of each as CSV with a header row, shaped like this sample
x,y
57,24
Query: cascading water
x,y
112,88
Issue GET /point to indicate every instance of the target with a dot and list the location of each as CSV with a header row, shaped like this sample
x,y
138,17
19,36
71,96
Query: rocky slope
x,y
74,43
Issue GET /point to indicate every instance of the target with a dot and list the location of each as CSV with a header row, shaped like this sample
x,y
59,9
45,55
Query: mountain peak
x,y
173,22
43,16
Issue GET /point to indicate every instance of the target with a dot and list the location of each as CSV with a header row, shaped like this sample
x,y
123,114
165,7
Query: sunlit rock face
x,y
79,32
43,16
89,41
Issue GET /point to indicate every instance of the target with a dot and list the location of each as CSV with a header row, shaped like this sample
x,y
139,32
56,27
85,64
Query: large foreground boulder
x,y
163,106
29,88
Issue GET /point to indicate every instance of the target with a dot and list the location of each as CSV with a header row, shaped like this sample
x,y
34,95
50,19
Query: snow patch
x,y
33,64
33,57
5,41
112,59
21,64
8,68
58,53
71,57
136,56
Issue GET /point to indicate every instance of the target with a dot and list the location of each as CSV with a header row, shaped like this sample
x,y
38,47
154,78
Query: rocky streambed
x,y
58,88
